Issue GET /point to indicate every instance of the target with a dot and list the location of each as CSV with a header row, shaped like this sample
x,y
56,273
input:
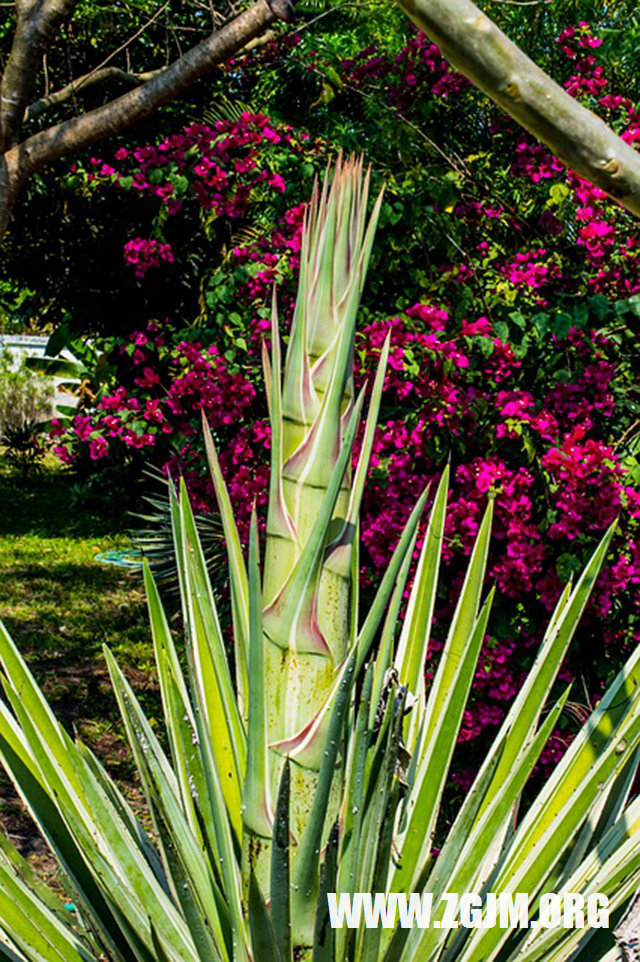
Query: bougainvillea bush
x,y
512,293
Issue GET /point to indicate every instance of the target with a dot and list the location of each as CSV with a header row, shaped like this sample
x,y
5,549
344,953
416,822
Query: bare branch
x,y
85,82
10,187
475,46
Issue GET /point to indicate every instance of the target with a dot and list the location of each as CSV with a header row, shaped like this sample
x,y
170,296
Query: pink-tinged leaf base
x,y
291,622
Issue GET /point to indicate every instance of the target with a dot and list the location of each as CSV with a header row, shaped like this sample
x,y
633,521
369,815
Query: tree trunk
x,y
10,186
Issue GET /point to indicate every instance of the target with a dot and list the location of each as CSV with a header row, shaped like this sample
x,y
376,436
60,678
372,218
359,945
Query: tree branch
x,y
84,83
475,46
37,23
48,145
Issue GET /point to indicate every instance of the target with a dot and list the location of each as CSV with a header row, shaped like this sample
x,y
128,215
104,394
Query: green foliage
x,y
26,401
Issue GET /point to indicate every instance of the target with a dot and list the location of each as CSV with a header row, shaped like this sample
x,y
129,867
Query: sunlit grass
x,y
55,598
61,605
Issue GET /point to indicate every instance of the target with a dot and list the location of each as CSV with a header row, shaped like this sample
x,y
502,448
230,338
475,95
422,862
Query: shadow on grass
x,y
47,504
60,606
70,606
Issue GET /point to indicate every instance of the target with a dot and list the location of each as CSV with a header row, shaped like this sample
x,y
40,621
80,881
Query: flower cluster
x,y
220,167
556,482
530,268
418,64
142,254
168,388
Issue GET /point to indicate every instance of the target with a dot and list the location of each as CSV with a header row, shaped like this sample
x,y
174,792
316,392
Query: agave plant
x,y
314,760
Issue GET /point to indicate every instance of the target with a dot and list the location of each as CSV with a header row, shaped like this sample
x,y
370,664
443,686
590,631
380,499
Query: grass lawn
x,y
55,599
60,606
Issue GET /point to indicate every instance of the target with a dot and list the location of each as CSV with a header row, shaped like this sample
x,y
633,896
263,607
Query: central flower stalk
x,y
308,578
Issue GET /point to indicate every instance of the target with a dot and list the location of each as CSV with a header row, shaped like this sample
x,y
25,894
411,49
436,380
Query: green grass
x,y
60,606
57,601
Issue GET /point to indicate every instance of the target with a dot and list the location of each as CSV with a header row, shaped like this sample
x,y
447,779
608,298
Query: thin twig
x,y
176,39
626,434
127,43
326,13
72,89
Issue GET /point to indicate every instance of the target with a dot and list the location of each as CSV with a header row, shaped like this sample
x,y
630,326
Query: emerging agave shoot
x,y
314,760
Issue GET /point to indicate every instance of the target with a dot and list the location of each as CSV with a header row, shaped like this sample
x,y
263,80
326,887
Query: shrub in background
x,y
26,403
